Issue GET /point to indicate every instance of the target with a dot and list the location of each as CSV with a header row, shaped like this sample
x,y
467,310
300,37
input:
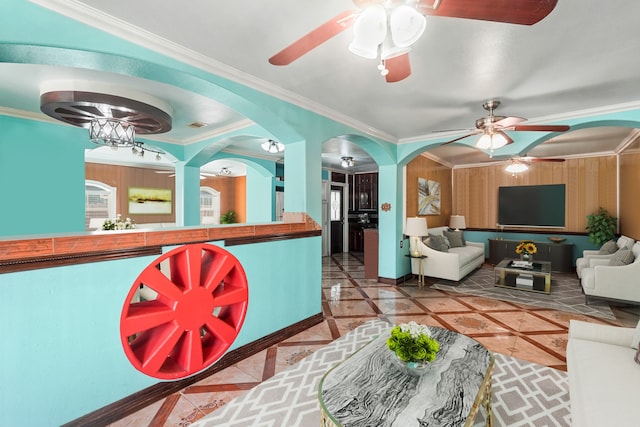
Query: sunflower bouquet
x,y
526,247
412,342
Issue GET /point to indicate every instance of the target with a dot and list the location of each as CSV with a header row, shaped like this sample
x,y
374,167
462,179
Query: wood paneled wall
x,y
629,200
232,189
422,167
590,183
233,194
123,177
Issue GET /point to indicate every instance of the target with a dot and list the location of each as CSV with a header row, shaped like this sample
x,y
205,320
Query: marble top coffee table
x,y
370,389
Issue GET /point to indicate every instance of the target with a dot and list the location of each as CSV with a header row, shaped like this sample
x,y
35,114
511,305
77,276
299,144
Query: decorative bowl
x,y
555,239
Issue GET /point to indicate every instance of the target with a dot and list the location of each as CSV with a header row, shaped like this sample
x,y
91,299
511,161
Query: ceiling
x,y
581,59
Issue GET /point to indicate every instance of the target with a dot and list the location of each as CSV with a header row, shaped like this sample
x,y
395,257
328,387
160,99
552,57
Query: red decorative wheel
x,y
184,311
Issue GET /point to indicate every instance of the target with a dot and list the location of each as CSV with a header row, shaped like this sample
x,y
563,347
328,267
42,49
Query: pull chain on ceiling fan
x,y
387,29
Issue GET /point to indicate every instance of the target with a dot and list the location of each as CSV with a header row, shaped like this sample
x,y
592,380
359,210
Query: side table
x,y
420,267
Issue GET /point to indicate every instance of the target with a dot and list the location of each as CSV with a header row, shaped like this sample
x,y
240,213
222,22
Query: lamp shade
x,y
416,226
457,222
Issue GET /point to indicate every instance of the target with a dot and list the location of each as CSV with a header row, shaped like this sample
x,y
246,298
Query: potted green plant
x,y
228,217
601,226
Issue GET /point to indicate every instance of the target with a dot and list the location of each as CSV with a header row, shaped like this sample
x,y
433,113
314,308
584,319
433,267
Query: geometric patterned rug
x,y
524,393
566,293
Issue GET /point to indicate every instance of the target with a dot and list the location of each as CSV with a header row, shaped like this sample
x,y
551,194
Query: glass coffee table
x,y
370,389
536,278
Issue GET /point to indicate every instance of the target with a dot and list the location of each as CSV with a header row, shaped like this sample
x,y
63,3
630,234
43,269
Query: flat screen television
x,y
532,205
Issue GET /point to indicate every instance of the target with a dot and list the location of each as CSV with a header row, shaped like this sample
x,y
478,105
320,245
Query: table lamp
x,y
457,222
415,228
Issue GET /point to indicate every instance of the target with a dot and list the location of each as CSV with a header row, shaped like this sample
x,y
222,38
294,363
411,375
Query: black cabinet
x,y
560,254
365,192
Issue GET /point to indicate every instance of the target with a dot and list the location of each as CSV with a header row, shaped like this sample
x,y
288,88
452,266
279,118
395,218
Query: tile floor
x,y
530,333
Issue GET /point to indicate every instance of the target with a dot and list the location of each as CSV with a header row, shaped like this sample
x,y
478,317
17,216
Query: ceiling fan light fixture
x,y
516,167
347,162
491,141
406,25
391,50
369,30
272,146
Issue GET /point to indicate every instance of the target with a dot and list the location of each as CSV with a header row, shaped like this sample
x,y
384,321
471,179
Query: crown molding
x,y
95,18
28,115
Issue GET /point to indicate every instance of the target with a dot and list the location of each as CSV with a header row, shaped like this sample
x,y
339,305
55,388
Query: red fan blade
x,y
315,38
541,128
508,122
399,68
462,137
523,12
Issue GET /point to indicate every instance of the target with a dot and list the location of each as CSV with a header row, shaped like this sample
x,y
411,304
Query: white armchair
x,y
582,263
621,283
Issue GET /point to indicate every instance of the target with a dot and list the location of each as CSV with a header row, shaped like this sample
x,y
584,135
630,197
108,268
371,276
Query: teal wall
x,y
41,166
61,337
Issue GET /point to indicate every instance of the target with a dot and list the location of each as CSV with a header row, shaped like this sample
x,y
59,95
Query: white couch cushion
x,y
588,279
467,254
602,380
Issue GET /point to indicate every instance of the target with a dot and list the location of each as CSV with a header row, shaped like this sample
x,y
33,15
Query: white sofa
x,y
451,265
587,255
603,375
620,283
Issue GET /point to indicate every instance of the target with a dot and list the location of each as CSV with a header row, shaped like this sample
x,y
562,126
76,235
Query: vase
x,y
414,369
526,257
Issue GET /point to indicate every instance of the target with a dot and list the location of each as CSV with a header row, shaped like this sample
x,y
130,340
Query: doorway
x,y
337,219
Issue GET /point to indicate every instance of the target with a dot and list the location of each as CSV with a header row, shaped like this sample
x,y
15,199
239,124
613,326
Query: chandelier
x,y
272,146
387,31
117,133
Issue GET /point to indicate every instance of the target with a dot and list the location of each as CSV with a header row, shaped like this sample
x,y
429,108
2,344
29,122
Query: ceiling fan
x,y
387,28
493,128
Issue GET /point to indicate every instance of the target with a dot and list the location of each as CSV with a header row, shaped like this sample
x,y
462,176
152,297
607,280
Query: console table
x,y
560,255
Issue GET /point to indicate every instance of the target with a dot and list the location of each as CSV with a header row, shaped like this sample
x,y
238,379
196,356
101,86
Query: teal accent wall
x,y
61,336
391,260
41,177
260,196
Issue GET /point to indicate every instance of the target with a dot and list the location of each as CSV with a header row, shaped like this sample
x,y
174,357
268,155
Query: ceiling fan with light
x,y
386,29
518,165
492,128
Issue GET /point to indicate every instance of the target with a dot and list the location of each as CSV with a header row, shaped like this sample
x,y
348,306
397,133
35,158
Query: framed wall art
x,y
150,200
428,197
